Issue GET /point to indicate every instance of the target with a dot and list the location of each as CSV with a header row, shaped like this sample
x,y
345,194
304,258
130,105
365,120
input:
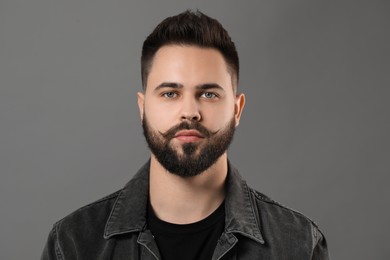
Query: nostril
x,y
191,117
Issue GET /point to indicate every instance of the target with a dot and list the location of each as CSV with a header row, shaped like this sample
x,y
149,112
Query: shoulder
x,y
275,208
91,217
276,217
80,232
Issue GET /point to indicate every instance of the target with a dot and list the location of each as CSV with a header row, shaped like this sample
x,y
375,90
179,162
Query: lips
x,y
189,135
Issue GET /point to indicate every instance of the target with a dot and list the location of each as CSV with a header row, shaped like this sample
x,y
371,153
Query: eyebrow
x,y
209,86
175,85
168,85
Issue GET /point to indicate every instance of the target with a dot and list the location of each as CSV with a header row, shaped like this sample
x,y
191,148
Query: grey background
x,y
314,134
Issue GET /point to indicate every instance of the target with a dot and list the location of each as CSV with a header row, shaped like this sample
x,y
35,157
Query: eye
x,y
169,94
209,95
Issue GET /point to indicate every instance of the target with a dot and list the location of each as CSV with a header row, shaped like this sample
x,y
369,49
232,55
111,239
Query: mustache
x,y
170,133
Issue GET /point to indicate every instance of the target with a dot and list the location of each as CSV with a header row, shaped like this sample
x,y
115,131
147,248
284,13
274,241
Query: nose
x,y
190,110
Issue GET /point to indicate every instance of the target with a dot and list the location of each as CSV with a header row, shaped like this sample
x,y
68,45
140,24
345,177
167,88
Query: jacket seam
x,y
108,197
144,247
315,238
228,249
104,199
270,201
57,247
107,234
253,217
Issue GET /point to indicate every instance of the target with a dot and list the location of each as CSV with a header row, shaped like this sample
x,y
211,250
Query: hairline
x,y
230,70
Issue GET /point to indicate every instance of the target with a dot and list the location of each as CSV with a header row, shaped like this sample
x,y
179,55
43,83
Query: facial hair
x,y
195,157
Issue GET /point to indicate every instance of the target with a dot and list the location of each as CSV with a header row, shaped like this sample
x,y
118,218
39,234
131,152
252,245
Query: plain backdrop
x,y
314,133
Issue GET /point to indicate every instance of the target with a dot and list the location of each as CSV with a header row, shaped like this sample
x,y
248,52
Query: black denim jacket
x,y
115,227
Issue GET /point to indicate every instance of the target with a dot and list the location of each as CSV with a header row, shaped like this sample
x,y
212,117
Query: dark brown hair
x,y
190,28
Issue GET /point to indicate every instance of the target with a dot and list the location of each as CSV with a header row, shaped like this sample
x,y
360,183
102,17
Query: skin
x,y
188,83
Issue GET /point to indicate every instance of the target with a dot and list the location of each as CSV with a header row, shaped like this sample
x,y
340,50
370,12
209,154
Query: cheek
x,y
160,118
216,117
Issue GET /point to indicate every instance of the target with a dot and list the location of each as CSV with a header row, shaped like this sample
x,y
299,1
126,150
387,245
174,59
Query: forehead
x,y
188,66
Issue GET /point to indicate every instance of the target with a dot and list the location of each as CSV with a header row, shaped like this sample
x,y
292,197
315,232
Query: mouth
x,y
189,136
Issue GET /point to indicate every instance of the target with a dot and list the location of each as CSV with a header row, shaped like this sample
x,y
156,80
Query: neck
x,y
181,200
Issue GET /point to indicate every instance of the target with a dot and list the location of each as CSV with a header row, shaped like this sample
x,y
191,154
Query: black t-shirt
x,y
189,241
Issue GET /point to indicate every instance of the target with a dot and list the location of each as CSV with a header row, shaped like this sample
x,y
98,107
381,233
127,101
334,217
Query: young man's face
x,y
189,109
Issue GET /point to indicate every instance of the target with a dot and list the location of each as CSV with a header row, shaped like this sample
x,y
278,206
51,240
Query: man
x,y
187,201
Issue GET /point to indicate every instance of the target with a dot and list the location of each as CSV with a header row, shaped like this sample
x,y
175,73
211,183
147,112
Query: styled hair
x,y
190,28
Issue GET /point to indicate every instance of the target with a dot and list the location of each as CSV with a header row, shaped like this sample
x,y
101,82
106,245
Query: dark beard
x,y
196,158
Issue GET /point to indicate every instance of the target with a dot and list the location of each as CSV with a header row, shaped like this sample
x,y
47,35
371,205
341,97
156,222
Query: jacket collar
x,y
130,208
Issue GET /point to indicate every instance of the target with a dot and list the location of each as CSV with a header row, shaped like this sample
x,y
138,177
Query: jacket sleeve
x,y
320,251
51,250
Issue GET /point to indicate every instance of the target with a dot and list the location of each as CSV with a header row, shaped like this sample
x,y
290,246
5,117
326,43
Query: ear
x,y
239,107
141,104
